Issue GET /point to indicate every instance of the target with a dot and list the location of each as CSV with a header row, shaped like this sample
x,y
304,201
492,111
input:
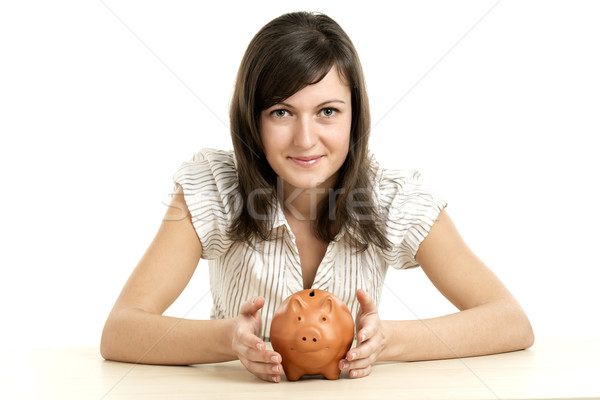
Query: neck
x,y
302,204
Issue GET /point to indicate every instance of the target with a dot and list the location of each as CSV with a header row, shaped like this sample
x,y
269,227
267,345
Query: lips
x,y
307,161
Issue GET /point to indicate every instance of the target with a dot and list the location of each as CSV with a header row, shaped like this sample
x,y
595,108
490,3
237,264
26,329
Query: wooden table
x,y
553,368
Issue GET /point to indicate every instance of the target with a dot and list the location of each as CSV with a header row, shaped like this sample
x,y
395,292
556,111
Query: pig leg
x,y
331,371
293,373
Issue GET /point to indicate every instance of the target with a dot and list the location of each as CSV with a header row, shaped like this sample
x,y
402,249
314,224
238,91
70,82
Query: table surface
x,y
552,368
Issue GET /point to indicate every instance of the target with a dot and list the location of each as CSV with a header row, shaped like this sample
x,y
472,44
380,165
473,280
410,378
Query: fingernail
x,y
353,374
275,379
275,359
253,300
260,346
352,356
344,365
363,337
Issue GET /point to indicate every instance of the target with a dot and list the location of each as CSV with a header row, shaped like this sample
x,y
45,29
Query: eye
x,y
323,318
328,112
279,113
299,318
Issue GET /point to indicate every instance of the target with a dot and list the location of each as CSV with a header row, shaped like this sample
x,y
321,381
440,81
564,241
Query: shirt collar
x,y
280,220
279,216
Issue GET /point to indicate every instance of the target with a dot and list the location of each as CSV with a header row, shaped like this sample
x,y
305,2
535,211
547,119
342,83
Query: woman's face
x,y
306,137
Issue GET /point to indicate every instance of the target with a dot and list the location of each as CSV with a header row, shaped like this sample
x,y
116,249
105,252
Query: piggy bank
x,y
312,330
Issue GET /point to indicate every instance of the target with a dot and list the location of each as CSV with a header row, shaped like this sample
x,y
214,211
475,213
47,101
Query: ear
x,y
327,305
297,304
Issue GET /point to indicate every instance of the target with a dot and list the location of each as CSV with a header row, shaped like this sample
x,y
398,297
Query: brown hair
x,y
289,53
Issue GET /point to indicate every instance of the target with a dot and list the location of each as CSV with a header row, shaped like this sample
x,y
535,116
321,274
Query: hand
x,y
249,348
369,337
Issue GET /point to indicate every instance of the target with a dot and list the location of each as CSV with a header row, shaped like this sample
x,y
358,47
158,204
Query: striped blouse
x,y
272,269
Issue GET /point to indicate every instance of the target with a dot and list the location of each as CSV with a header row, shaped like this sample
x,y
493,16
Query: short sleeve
x,y
210,187
410,211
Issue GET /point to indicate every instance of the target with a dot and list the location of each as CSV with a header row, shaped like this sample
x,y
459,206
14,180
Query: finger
x,y
263,356
357,363
265,364
247,338
270,378
356,359
368,329
364,334
359,373
366,302
252,348
357,367
360,352
261,368
267,375
252,305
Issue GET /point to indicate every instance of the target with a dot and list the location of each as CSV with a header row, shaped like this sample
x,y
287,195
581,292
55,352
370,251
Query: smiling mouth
x,y
308,352
306,161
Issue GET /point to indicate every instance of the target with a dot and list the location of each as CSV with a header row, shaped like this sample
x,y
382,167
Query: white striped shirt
x,y
272,269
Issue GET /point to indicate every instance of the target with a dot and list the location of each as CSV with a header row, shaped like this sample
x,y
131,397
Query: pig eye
x,y
299,318
323,318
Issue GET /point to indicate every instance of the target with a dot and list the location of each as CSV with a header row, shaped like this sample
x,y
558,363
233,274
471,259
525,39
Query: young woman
x,y
301,203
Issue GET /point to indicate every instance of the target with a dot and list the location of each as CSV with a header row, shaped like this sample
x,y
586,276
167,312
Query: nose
x,y
305,134
309,336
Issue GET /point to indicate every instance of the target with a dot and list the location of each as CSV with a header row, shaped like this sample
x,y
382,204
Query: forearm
x,y
490,328
133,335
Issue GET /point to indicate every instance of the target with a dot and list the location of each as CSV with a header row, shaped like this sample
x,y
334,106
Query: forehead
x,y
331,87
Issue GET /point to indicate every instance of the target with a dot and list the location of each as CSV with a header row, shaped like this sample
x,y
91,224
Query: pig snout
x,y
308,339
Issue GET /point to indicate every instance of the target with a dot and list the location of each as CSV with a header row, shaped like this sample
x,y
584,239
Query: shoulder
x,y
405,201
401,186
394,180
409,209
210,189
208,167
213,158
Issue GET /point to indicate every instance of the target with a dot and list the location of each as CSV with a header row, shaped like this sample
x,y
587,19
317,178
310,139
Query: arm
x,y
490,318
136,330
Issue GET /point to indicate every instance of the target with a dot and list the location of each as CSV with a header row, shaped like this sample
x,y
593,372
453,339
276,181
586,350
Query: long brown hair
x,y
289,53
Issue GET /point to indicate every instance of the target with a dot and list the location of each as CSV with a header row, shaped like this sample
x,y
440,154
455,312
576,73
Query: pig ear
x,y
327,304
297,304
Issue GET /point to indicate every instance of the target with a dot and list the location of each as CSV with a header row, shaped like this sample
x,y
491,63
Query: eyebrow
x,y
318,105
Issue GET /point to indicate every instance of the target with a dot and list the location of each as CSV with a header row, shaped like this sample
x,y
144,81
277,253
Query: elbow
x,y
118,341
523,336
106,351
512,329
528,336
105,344
109,342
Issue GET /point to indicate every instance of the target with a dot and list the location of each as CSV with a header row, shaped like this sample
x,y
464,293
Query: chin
x,y
305,185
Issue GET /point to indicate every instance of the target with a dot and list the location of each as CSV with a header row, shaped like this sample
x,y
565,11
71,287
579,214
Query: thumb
x,y
366,302
252,305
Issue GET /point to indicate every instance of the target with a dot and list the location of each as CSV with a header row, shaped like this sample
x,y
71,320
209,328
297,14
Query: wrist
x,y
224,336
227,334
393,343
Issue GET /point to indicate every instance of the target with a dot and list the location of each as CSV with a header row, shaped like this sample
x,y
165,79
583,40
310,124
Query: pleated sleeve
x,y
410,211
210,187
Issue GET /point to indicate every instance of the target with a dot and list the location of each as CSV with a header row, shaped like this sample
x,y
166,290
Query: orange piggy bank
x,y
312,330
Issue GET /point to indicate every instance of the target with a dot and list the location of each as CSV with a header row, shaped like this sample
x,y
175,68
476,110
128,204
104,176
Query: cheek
x,y
272,148
272,138
266,135
346,126
340,137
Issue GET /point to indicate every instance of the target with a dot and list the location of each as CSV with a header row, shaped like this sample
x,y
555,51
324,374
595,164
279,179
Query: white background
x,y
101,101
